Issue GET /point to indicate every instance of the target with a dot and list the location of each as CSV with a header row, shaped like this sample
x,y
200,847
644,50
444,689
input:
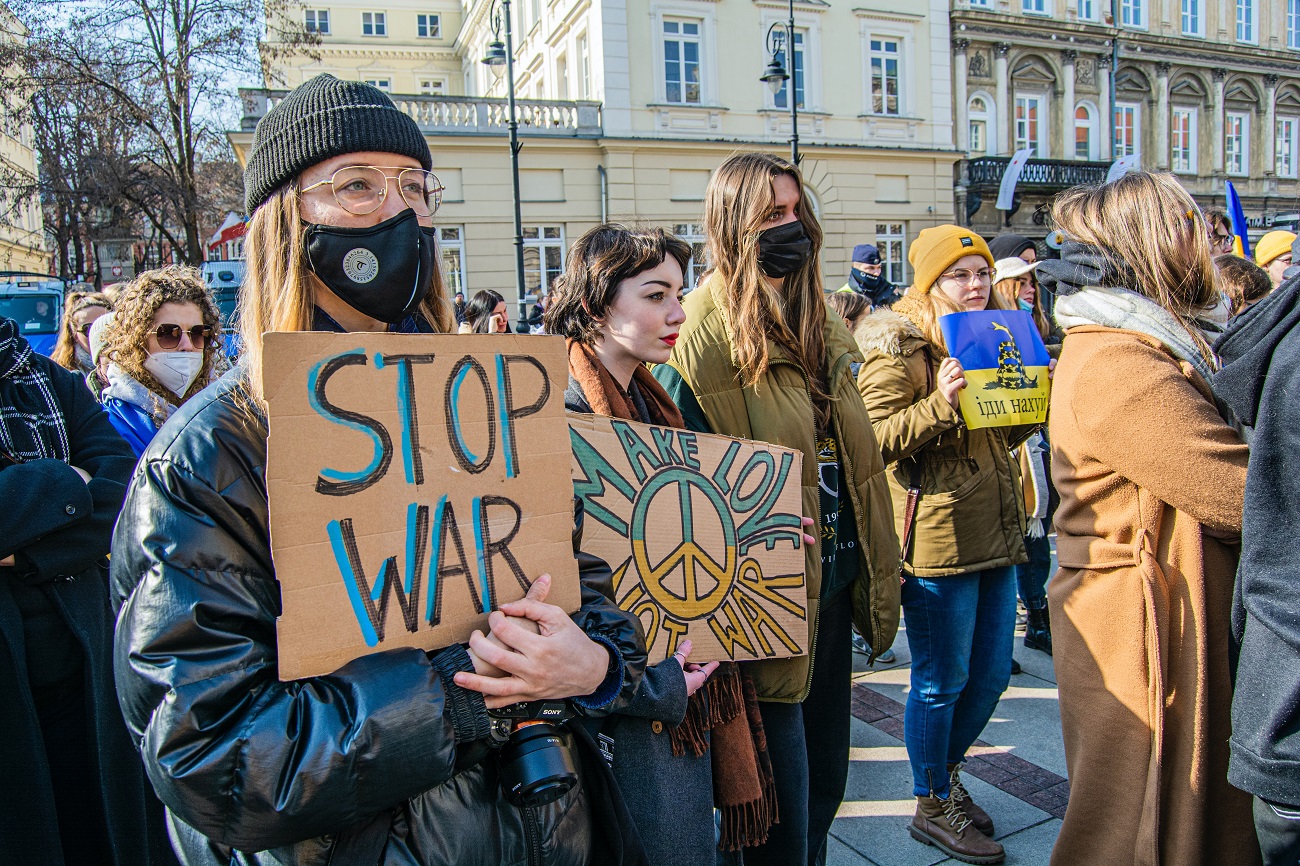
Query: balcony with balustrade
x,y
465,115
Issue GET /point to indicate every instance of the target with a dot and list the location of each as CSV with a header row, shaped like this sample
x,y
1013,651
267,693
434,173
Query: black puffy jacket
x,y
296,770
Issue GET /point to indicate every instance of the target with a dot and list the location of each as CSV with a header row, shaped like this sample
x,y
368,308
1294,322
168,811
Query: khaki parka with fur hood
x,y
971,513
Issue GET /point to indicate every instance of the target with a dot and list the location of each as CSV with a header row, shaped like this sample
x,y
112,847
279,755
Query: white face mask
x,y
175,370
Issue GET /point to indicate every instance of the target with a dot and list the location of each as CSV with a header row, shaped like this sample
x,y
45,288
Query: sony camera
x,y
536,763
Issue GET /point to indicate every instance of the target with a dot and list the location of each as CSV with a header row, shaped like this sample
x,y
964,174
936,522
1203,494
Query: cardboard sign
x,y
703,533
1006,366
412,488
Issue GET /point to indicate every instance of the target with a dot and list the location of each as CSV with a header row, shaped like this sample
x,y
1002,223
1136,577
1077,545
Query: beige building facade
x,y
22,231
1207,89
626,108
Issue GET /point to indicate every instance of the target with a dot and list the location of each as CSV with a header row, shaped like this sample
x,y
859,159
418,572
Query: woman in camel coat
x,y
1151,479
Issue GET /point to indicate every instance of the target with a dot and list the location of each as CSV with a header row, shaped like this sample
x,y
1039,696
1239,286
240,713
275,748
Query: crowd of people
x,y
146,721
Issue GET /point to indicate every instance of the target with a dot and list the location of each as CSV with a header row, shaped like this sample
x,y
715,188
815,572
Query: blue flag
x,y
1240,231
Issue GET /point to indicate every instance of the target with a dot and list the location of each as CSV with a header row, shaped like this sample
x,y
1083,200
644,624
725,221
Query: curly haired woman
x,y
160,345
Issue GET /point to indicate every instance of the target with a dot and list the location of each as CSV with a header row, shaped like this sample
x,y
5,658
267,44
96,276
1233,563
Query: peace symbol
x,y
698,565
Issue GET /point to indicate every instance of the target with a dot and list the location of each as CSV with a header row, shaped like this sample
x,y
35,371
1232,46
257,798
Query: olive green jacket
x,y
971,513
778,409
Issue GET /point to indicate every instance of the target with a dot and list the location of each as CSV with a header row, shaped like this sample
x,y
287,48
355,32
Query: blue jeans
x,y
1031,577
960,631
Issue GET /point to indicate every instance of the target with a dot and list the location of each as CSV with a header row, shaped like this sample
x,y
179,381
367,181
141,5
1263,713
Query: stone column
x,y
1068,56
1162,116
1004,113
1270,125
1106,123
959,94
1217,108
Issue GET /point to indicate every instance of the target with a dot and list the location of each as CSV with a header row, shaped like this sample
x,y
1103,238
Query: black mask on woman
x,y
382,271
782,250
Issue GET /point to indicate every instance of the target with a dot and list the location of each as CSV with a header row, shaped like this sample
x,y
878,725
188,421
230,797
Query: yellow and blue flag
x,y
1006,366
1240,231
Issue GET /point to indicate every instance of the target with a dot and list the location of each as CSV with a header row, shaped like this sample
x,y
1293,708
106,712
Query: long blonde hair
x,y
279,288
65,350
1151,228
739,198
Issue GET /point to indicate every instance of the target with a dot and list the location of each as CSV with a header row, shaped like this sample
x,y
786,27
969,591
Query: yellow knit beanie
x,y
1272,245
935,249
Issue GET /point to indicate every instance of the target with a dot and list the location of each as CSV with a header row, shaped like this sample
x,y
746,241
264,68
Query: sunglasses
x,y
169,336
84,330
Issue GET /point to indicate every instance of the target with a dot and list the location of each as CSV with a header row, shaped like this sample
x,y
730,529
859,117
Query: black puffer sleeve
x,y
603,621
247,760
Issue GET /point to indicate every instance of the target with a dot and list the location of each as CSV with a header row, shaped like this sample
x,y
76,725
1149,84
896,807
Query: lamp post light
x,y
780,44
500,58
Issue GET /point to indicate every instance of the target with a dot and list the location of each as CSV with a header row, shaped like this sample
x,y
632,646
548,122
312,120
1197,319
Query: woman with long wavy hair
x,y
72,350
759,357
1152,480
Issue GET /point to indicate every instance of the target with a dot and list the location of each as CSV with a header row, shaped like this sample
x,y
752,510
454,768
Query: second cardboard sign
x,y
703,534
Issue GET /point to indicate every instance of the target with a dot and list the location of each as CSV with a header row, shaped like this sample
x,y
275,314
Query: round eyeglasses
x,y
361,189
169,336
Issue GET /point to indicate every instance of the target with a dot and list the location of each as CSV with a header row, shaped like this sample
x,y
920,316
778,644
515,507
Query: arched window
x,y
1086,141
982,114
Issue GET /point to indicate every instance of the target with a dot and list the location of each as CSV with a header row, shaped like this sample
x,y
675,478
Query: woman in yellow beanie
x,y
1273,254
958,512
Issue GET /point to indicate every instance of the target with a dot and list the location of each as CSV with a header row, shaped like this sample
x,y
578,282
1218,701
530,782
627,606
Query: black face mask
x,y
382,271
784,249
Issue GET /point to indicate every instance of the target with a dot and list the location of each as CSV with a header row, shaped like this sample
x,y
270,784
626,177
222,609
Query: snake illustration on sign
x,y
703,534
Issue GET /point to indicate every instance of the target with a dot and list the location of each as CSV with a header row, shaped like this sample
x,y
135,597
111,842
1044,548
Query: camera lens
x,y
536,767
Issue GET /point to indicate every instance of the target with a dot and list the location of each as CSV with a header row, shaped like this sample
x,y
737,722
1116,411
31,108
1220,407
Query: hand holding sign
x,y
696,675
951,379
559,661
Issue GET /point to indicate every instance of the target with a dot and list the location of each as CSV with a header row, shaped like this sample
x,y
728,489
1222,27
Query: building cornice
x,y
367,52
888,14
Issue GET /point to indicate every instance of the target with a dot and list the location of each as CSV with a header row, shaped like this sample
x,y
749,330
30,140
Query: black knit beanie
x,y
323,118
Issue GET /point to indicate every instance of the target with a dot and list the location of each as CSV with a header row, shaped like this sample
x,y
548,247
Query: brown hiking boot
x,y
943,824
978,817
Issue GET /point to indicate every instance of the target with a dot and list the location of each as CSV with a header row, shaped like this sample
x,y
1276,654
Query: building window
x,y
1085,132
886,59
433,86
1127,131
384,84
1086,10
1182,140
562,77
1130,13
1033,7
1293,24
981,4
1286,147
1245,20
1031,125
891,240
584,66
451,243
543,258
779,101
1192,18
983,127
374,24
682,61
693,234
317,21
1236,141
428,26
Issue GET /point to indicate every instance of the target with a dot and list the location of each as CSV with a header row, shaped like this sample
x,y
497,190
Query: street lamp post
x,y
501,58
780,44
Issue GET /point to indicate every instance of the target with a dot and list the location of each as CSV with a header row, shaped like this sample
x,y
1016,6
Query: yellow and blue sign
x,y
1006,366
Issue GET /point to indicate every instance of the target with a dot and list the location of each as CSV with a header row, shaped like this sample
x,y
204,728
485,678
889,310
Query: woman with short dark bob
x,y
759,357
387,760
619,305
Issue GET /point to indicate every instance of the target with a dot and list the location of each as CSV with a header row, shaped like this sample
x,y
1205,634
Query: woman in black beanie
x,y
387,760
